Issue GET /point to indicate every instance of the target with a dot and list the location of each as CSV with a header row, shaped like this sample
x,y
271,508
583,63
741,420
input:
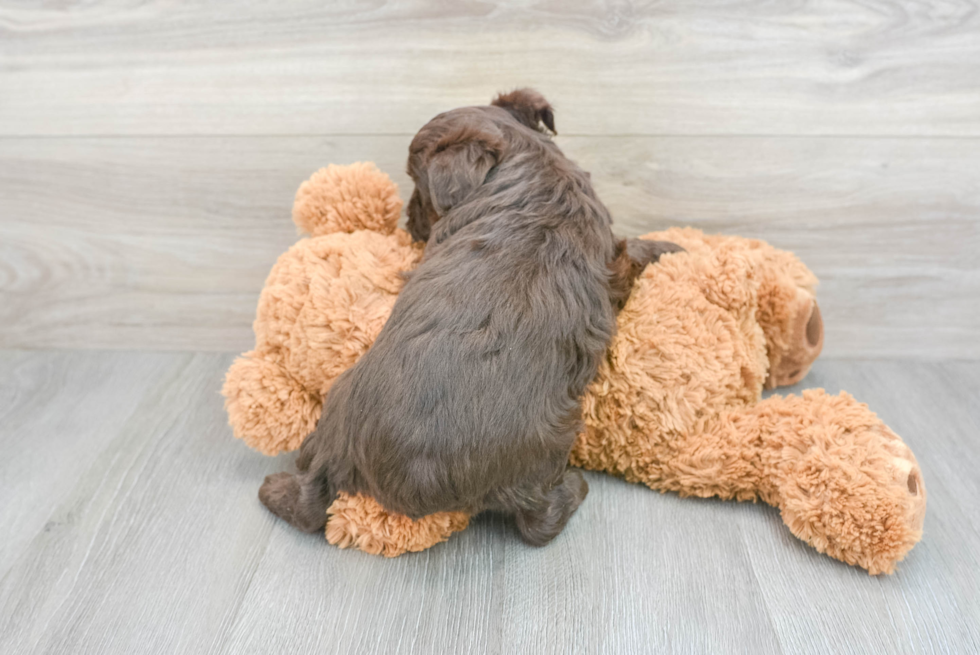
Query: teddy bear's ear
x,y
346,199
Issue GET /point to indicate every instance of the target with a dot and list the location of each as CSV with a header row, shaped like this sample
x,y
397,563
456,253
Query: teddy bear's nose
x,y
814,327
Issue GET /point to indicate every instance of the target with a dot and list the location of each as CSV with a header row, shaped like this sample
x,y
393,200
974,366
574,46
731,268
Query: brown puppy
x,y
469,399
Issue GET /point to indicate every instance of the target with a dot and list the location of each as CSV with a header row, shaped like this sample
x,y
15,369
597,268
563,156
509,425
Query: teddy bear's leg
x,y
360,521
268,408
542,512
843,481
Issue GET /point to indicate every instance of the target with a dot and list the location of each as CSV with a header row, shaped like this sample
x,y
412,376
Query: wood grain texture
x,y
675,67
51,425
165,242
150,544
154,541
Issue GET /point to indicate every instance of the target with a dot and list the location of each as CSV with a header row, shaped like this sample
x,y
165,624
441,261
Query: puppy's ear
x,y
418,221
460,163
529,107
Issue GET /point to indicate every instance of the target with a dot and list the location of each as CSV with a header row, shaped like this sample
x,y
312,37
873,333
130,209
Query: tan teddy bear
x,y
676,405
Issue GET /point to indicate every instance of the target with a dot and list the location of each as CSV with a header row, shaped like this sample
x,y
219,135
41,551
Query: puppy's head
x,y
528,107
449,159
454,153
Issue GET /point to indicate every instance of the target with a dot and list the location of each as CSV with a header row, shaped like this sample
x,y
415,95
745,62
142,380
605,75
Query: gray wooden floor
x,y
149,152
131,525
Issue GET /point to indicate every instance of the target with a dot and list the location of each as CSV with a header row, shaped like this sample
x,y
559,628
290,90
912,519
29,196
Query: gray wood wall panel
x,y
155,542
164,242
676,67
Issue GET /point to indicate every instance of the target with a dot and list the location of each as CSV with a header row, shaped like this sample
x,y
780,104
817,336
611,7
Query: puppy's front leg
x,y
632,256
642,252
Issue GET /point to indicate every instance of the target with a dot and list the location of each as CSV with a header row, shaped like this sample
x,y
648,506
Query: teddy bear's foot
x,y
360,521
844,482
267,408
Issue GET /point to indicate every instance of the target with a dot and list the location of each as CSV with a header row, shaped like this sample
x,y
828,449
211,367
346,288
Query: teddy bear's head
x,y
782,301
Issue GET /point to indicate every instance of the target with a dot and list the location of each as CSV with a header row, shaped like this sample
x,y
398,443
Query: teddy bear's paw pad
x,y
268,409
360,521
907,477
346,199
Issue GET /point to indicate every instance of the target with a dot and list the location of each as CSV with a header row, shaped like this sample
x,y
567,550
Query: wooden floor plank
x,y
55,411
164,243
158,544
609,583
676,67
155,544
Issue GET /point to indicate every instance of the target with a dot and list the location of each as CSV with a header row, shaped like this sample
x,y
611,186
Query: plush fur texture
x,y
676,404
323,305
360,521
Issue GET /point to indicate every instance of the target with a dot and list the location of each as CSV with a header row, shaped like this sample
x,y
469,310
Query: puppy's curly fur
x,y
469,399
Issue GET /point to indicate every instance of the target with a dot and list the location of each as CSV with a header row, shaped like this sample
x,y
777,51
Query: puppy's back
x,y
488,349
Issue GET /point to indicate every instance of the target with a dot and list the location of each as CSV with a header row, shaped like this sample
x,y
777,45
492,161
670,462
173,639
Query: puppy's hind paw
x,y
280,494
